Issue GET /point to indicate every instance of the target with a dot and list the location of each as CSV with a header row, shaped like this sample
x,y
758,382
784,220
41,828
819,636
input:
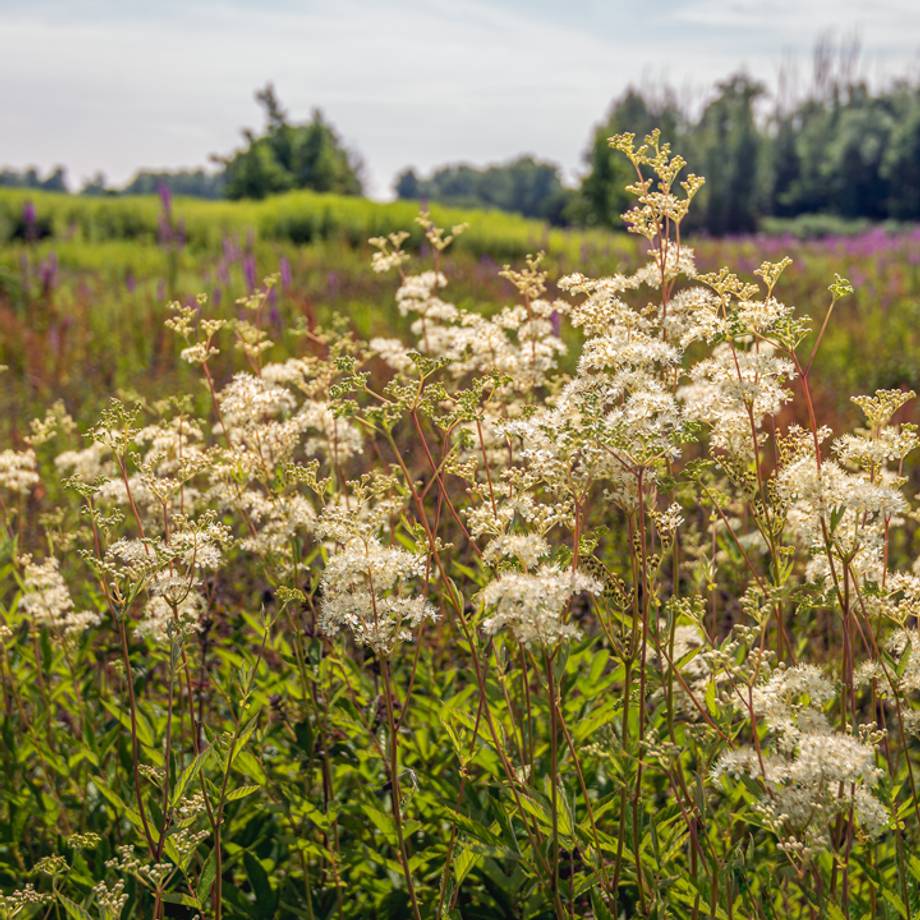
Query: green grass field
x,y
84,287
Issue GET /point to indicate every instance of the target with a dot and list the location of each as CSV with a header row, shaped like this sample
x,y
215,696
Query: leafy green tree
x,y
290,156
55,181
901,162
195,183
408,185
96,186
524,185
785,168
854,155
729,151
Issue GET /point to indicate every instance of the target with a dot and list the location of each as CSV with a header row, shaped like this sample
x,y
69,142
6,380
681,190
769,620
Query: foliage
x,y
524,186
55,181
290,156
545,610
296,217
602,195
842,149
730,150
194,183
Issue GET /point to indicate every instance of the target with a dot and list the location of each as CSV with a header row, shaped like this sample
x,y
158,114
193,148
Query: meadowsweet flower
x,y
850,507
248,401
531,605
331,436
46,600
131,560
111,898
199,353
51,865
174,609
197,544
760,316
417,295
55,421
694,315
18,471
812,774
526,549
393,352
83,841
364,590
11,904
731,387
88,465
277,523
389,253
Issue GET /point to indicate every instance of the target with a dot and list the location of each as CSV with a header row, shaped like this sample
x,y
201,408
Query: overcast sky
x,y
164,83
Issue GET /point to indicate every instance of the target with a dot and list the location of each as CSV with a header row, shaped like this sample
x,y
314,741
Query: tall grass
x,y
298,217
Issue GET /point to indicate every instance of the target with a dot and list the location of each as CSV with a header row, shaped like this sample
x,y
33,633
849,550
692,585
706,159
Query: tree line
x,y
841,148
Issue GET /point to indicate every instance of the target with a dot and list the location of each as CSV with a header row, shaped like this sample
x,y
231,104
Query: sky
x,y
114,86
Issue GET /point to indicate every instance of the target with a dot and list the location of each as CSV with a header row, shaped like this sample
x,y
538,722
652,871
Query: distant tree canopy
x,y
842,149
602,196
97,186
195,183
290,156
55,181
524,185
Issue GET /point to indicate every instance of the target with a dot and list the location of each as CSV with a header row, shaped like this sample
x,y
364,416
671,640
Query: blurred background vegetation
x,y
822,158
830,176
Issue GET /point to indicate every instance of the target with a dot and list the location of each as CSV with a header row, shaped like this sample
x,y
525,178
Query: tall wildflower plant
x,y
552,612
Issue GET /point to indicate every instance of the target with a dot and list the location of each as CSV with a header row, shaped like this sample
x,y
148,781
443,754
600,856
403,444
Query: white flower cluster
x,y
733,389
46,600
812,774
366,591
850,501
18,472
531,605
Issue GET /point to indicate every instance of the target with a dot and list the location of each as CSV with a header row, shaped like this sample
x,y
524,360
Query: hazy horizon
x,y
99,86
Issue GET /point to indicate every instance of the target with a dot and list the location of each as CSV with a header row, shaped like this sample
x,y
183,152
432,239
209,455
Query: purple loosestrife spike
x,y
165,197
47,273
284,269
249,273
30,220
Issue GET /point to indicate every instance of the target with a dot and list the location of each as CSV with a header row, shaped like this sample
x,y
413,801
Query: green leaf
x,y
73,909
206,879
144,729
382,821
464,862
892,898
241,792
189,774
261,886
248,765
244,737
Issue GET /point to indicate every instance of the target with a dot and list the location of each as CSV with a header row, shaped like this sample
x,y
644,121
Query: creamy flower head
x,y
18,471
46,600
531,605
367,590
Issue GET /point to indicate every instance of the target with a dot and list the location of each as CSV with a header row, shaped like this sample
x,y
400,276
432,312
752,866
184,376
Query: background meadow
x,y
85,281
